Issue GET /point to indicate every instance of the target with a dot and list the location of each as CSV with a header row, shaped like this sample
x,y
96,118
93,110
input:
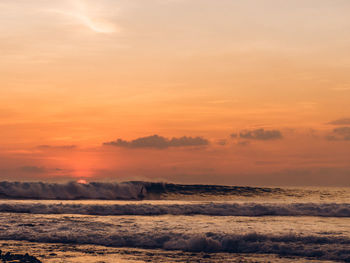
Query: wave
x,y
313,246
72,191
210,209
121,191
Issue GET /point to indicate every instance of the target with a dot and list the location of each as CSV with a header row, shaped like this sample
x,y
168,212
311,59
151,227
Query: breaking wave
x,y
209,209
132,224
313,246
120,191
72,191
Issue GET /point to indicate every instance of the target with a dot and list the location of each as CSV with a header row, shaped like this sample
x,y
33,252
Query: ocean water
x,y
154,222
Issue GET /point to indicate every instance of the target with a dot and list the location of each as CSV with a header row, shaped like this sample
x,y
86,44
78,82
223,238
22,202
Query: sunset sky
x,y
239,92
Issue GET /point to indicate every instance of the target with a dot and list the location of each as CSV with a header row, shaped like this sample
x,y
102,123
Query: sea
x,y
162,222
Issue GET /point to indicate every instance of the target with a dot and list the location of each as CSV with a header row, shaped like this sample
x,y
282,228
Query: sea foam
x,y
210,209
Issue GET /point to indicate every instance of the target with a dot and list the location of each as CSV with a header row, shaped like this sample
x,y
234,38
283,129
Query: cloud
x,y
84,13
261,134
243,143
234,135
221,142
32,169
341,88
56,147
159,142
344,121
339,134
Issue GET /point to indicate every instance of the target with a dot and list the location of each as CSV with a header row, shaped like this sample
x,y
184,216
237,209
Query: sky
x,y
238,92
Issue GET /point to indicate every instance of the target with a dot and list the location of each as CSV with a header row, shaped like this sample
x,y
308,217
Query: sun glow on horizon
x,y
82,181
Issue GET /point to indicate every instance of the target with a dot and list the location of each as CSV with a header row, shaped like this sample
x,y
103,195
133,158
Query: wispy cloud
x,y
344,121
159,142
341,88
57,147
339,134
261,134
83,13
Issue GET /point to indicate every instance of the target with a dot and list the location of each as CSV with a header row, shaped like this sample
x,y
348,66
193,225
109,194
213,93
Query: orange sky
x,y
75,74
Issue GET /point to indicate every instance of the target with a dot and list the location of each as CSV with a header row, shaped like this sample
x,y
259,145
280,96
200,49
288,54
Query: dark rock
x,y
9,257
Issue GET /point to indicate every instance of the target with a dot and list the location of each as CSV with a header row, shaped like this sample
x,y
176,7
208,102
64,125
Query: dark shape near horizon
x,y
261,134
159,142
344,121
234,135
222,142
339,134
33,169
58,147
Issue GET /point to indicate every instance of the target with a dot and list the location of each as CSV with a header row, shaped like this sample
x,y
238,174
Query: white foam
x,y
326,248
211,209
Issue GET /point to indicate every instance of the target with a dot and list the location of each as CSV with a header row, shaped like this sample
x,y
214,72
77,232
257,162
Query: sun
x,y
82,181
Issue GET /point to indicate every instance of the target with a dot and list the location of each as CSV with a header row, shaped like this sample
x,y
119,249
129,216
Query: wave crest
x,y
122,191
210,209
325,248
72,191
